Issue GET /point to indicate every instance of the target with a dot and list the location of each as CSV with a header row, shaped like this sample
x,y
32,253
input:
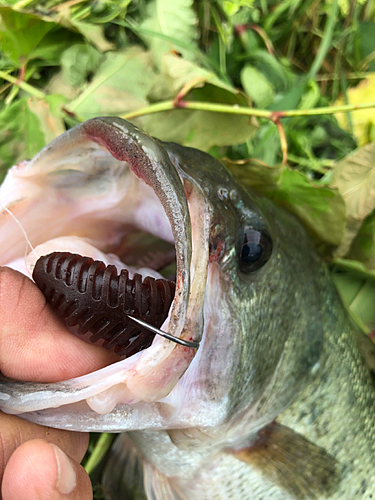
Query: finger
x,y
34,344
15,431
38,470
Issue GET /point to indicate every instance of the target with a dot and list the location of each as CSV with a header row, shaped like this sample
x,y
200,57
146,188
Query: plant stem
x,y
283,142
320,166
101,447
23,85
239,110
326,40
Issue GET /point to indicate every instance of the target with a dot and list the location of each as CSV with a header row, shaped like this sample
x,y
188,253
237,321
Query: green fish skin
x,y
276,403
325,437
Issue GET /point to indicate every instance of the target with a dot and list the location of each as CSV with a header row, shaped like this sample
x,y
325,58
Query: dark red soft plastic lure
x,y
93,296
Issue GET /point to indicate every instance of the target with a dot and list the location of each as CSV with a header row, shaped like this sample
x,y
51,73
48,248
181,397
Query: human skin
x,y
36,346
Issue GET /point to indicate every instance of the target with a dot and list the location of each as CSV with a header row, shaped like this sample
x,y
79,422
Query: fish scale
x,y
337,410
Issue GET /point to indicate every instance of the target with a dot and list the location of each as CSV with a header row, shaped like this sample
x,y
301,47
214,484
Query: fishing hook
x,y
166,335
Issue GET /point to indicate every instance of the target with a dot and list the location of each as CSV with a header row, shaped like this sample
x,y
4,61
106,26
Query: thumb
x,y
38,470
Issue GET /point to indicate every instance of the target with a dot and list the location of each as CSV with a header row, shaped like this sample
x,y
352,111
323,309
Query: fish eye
x,y
256,249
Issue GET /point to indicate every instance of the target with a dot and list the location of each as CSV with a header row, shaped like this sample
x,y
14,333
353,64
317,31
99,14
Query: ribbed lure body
x,y
93,296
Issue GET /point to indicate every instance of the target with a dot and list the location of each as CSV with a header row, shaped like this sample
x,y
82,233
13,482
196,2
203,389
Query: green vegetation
x,y
262,85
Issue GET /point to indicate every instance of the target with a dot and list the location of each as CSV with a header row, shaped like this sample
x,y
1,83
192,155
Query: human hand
x,y
36,346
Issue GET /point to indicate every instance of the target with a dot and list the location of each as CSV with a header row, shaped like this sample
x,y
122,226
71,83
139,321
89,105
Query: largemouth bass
x,y
276,402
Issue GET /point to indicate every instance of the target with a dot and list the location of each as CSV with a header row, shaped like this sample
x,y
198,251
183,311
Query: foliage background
x,y
259,84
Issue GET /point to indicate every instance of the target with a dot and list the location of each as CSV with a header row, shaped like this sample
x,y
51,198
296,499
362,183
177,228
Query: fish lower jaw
x,y
104,402
146,377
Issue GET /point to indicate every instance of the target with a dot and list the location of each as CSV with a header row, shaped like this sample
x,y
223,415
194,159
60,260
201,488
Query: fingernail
x,y
66,476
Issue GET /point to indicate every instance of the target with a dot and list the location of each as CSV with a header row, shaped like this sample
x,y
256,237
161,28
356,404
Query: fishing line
x,y
28,242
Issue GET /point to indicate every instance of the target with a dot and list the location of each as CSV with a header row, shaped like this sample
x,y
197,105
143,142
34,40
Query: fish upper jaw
x,y
113,145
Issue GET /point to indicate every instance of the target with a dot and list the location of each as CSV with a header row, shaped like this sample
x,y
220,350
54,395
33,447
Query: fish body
x,y
275,403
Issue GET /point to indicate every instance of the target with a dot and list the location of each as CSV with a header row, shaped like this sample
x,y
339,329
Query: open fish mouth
x,y
108,191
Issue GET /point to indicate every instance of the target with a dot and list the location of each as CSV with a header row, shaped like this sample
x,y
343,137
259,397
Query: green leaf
x,y
279,75
176,73
20,34
362,121
59,85
257,87
354,177
77,62
310,96
25,128
54,44
320,209
353,266
356,286
363,246
288,100
349,285
198,129
318,138
366,36
120,85
363,303
203,129
93,33
266,144
358,294
175,19
50,115
255,174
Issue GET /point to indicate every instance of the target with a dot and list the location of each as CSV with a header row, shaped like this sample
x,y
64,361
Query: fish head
x,y
263,327
247,283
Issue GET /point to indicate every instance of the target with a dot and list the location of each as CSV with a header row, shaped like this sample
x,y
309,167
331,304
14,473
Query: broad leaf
x,y
177,72
176,20
362,120
366,35
203,129
363,246
93,33
257,87
321,209
120,85
354,177
20,34
26,126
79,61
358,294
198,129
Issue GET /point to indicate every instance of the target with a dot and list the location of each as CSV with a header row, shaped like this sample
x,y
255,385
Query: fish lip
x,y
150,162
